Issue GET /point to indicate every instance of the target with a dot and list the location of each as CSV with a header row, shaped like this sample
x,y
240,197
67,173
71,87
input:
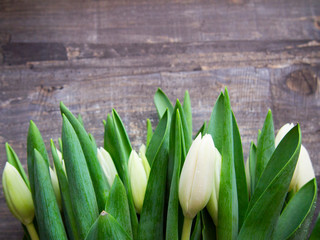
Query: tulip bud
x,y
55,185
107,165
61,161
196,179
214,199
247,171
142,155
17,195
138,179
303,172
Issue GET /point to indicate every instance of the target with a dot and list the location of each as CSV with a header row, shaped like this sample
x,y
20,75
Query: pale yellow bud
x,y
17,195
107,165
138,179
196,179
303,172
55,185
214,199
142,155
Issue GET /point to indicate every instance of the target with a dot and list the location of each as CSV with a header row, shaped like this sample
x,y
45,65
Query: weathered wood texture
x,y
95,56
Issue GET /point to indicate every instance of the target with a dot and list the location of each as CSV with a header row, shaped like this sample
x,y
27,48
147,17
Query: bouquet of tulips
x,y
176,187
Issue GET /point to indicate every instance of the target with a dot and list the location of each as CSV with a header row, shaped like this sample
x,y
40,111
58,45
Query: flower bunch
x,y
178,186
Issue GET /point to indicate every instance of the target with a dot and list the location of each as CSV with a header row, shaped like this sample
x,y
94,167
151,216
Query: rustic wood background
x,y
99,55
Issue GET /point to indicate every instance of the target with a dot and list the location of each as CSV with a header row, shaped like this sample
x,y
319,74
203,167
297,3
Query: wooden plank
x,y
113,22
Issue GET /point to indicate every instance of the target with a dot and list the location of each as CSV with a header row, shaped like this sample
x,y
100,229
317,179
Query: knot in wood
x,y
303,81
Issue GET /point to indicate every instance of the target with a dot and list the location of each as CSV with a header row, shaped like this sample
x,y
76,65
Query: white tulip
x,y
303,172
214,199
17,195
138,179
107,165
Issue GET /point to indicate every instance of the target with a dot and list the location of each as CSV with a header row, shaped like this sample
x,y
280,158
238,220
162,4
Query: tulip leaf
x,y
186,133
252,166
107,227
175,142
221,129
242,189
208,227
80,119
149,132
296,212
152,215
99,181
84,203
46,207
188,111
215,125
94,143
271,189
315,235
69,218
117,205
116,142
265,145
34,141
13,159
196,234
202,130
162,103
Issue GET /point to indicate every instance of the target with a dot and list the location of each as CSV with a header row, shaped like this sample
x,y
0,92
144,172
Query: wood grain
x,y
99,55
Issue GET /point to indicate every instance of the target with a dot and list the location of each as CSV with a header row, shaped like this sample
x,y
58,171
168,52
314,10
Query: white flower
x,y
196,179
17,195
107,165
303,172
138,179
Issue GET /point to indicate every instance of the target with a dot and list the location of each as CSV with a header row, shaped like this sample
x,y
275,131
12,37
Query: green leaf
x,y
46,207
152,215
107,227
196,234
13,159
242,189
149,132
265,146
99,181
84,202
34,141
117,205
208,227
116,142
270,192
162,103
215,125
172,230
80,119
69,218
221,129
252,166
188,111
315,235
296,212
94,143
202,130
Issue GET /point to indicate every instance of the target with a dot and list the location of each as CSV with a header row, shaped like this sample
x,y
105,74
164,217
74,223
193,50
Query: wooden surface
x,y
95,56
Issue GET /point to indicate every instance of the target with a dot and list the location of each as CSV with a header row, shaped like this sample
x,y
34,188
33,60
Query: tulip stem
x,y
187,223
32,231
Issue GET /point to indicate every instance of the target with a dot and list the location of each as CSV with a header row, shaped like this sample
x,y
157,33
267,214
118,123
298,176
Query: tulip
x,y
196,180
142,155
107,165
138,179
214,199
18,198
55,185
303,172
